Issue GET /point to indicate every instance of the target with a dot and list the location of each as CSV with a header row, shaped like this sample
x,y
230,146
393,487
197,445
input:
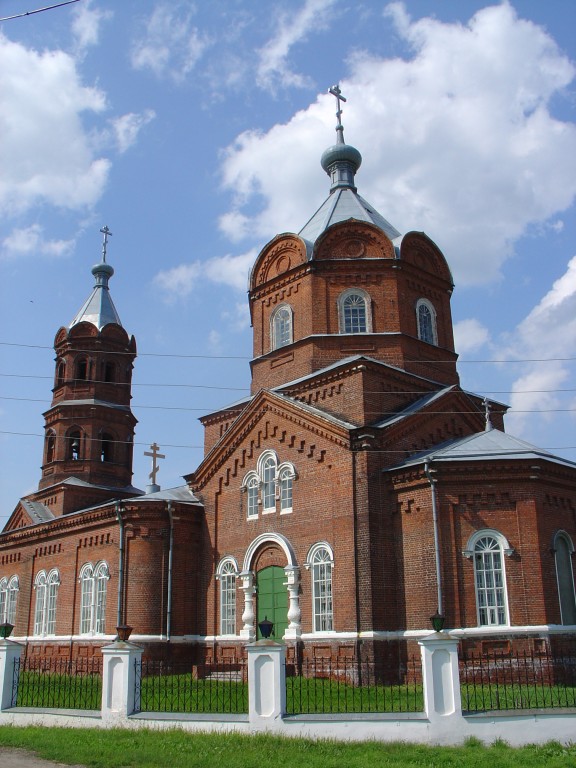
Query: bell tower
x,y
89,427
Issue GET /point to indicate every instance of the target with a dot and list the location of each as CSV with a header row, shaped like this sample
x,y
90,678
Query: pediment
x,y
418,249
18,519
271,417
279,256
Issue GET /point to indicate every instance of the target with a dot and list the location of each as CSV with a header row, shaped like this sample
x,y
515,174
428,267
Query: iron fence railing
x,y
329,686
518,680
57,683
219,688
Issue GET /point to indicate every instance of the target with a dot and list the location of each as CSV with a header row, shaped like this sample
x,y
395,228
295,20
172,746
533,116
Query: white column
x,y
266,682
119,697
9,652
294,629
440,675
248,631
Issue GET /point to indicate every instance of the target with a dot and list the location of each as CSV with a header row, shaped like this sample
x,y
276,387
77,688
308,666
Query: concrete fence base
x,y
441,722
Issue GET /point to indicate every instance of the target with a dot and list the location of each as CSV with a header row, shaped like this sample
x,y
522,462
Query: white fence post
x,y
266,682
440,675
119,698
9,652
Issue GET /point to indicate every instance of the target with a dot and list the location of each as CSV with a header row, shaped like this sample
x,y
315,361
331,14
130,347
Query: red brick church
x,y
358,490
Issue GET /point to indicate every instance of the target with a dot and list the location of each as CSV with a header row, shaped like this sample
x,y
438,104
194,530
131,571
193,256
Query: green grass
x,y
317,696
485,698
183,693
58,691
153,749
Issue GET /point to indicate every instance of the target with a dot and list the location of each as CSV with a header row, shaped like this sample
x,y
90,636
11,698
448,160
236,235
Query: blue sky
x,y
195,130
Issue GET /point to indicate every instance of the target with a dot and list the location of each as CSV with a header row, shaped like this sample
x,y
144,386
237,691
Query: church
x,y
356,493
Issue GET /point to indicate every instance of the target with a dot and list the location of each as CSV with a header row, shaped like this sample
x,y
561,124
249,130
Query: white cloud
x,y
171,44
86,24
457,138
46,155
30,241
127,127
179,282
549,331
470,335
293,27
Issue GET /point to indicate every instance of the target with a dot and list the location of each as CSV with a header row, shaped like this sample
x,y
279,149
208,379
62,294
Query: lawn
x,y
153,749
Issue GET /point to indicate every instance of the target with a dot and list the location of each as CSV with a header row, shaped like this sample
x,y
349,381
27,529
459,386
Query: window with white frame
x,y
227,574
563,552
426,320
269,484
281,326
94,583
487,548
320,561
46,587
354,311
267,466
8,595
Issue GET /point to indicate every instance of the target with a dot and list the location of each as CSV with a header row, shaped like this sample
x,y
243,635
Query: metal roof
x,y
489,445
39,513
99,308
343,204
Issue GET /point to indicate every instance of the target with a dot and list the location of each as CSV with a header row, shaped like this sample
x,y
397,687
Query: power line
x,y
38,10
336,359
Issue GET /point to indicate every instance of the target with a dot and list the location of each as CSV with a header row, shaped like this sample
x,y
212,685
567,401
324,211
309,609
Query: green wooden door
x,y
273,599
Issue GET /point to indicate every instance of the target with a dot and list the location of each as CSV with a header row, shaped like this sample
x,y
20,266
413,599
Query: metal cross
x,y
155,455
106,232
335,91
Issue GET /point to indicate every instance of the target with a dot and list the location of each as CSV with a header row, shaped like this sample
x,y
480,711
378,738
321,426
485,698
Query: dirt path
x,y
20,758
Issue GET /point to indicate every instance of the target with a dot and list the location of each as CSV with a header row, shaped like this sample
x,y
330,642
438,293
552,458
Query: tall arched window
x,y
46,586
321,562
487,548
94,582
426,319
74,445
251,486
354,311
60,372
109,371
82,369
563,551
281,326
267,471
227,573
8,595
285,478
107,447
50,445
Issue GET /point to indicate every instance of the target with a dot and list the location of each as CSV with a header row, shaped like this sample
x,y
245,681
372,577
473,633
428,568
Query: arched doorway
x,y
272,599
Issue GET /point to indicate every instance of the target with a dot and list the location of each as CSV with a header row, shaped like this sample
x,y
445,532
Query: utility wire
x,y
336,359
38,10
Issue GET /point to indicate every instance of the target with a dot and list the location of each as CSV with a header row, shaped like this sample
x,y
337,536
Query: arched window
x,y
81,369
281,326
8,595
94,582
487,548
50,445
251,485
286,475
426,319
267,471
107,447
109,371
226,574
563,551
321,562
46,586
74,445
60,372
354,311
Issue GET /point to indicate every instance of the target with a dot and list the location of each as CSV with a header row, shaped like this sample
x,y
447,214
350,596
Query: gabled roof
x,y
414,407
490,445
38,513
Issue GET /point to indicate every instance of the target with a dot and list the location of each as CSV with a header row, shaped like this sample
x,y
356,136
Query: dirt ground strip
x,y
20,758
